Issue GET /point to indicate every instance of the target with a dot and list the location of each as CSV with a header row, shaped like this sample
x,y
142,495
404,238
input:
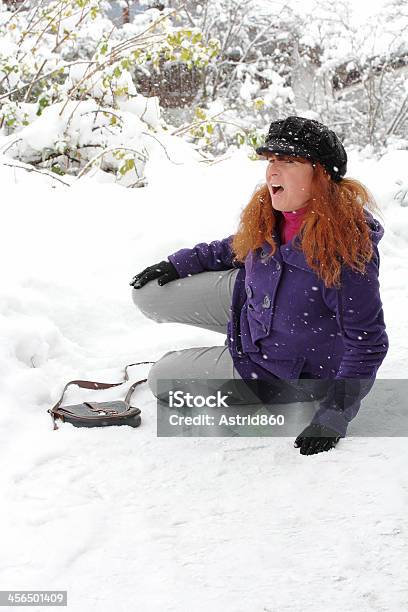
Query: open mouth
x,y
277,189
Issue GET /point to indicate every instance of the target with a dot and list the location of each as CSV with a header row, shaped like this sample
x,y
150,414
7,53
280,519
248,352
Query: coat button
x,y
249,291
278,266
266,302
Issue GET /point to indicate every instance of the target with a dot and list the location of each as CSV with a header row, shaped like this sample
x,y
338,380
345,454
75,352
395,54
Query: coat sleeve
x,y
359,312
216,255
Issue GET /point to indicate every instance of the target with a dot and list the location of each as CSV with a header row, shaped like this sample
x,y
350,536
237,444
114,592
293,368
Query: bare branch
x,y
33,169
165,150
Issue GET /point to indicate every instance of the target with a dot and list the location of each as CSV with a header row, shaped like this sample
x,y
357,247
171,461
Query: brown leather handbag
x,y
99,414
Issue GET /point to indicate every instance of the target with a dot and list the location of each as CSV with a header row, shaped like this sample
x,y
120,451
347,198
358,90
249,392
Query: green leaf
x,y
127,166
57,169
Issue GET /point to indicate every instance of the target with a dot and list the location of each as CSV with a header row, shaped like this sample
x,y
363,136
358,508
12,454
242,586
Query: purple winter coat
x,y
286,322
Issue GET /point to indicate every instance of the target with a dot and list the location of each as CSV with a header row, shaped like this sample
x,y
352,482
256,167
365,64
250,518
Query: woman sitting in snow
x,y
299,295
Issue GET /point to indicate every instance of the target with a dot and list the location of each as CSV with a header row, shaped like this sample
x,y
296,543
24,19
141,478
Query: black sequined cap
x,y
303,137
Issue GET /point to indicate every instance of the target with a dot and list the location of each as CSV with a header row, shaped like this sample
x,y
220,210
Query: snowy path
x,y
125,520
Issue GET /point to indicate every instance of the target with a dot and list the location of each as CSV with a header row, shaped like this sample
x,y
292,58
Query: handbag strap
x,y
90,384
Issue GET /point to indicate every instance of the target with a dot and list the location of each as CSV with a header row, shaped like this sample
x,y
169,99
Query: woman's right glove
x,y
316,438
163,271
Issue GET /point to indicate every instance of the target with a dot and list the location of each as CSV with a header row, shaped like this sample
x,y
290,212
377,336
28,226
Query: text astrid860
x,y
205,420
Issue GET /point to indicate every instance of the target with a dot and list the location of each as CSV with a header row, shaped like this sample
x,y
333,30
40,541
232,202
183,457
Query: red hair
x,y
334,229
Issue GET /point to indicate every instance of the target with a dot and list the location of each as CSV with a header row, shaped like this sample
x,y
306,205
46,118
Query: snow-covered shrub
x,y
241,64
67,93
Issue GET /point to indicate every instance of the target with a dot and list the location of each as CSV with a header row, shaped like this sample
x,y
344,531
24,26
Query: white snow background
x,y
127,521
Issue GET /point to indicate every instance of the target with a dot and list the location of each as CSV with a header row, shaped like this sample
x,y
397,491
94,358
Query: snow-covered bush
x,y
99,94
248,83
361,81
67,93
277,60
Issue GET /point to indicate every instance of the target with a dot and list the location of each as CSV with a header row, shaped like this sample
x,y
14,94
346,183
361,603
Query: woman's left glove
x,y
163,271
316,438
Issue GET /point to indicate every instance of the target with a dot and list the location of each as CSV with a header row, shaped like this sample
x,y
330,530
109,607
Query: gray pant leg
x,y
199,371
203,300
202,371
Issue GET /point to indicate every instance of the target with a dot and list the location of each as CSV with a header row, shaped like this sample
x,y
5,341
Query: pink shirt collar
x,y
293,216
290,223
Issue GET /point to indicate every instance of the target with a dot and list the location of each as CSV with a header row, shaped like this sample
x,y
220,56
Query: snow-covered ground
x,y
124,520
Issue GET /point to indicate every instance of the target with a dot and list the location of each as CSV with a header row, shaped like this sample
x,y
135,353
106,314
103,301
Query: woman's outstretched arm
x,y
216,255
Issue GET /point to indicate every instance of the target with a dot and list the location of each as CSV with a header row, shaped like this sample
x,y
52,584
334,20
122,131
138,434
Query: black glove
x,y
316,438
164,271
